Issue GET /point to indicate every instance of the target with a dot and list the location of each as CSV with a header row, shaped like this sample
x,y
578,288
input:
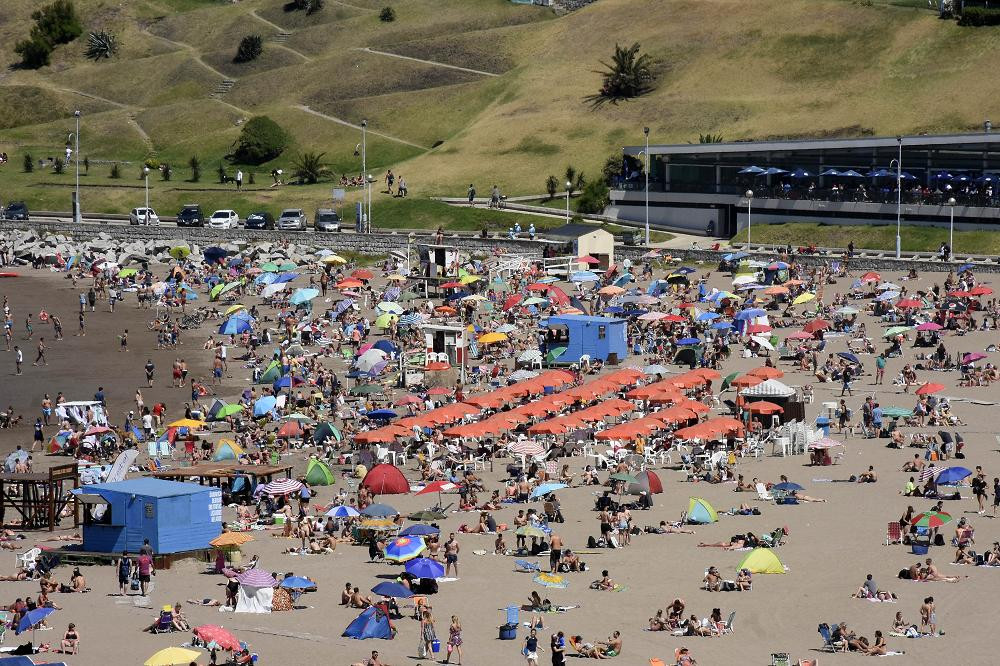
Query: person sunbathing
x,y
737,542
712,580
611,647
359,601
930,572
204,602
605,583
868,477
658,622
744,581
962,555
587,650
805,498
673,528
693,627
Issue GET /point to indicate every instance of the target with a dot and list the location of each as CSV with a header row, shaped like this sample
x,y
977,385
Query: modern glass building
x,y
703,188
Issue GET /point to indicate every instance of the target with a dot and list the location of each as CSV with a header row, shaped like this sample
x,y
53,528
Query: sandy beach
x,y
829,549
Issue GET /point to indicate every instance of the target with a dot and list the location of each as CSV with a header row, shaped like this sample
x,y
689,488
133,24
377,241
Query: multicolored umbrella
x,y
931,519
403,549
551,580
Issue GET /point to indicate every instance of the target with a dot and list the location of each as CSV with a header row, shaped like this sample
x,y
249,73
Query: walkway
x,y
434,63
339,121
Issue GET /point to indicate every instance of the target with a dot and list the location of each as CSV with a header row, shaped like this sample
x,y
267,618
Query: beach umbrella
x,y
385,320
173,656
893,331
264,405
803,298
952,475
304,295
530,531
848,356
887,296
32,618
379,511
491,338
584,276
554,353
971,357
931,519
222,637
546,488
930,388
365,389
420,530
825,443
279,487
425,567
929,326
230,539
551,580
234,326
343,512
298,583
527,447
655,369
683,342
390,588
390,308
754,170
787,486
404,548
622,476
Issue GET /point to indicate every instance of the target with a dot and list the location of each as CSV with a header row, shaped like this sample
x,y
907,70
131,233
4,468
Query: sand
x,y
830,548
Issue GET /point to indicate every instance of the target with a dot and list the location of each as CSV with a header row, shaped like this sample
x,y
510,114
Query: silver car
x,y
143,216
292,219
326,219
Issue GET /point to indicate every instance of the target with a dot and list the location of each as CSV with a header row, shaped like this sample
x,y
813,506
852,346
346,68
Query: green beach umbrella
x,y
408,295
727,382
896,330
127,272
287,266
896,412
554,354
385,320
229,410
622,476
269,267
530,531
180,252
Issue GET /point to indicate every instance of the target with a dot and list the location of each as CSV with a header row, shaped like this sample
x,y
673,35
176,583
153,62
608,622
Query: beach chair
x,y
780,659
524,566
727,626
829,645
165,624
893,533
27,559
763,494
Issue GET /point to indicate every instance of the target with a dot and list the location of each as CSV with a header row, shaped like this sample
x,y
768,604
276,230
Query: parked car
x,y
16,210
292,219
190,216
224,219
326,219
260,220
143,216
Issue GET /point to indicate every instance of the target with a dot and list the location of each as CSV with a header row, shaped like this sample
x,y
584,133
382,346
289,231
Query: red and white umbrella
x,y
527,447
280,487
825,443
437,487
930,471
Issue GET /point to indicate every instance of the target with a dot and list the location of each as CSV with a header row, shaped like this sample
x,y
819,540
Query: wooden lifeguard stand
x,y
37,497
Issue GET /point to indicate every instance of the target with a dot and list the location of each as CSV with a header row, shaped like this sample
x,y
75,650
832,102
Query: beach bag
x,y
904,574
938,540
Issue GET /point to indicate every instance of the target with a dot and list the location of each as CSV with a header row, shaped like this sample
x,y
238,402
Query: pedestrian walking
x,y
472,194
239,179
47,409
83,325
57,327
150,369
846,377
123,341
880,368
27,327
18,358
40,359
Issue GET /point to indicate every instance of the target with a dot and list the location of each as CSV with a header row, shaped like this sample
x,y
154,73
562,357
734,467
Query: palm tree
x,y
310,167
629,74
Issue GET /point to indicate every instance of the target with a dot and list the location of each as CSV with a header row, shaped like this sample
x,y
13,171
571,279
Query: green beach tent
x,y
701,512
763,561
319,474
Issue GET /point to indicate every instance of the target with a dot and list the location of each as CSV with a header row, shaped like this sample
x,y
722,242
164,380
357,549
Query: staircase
x,y
281,37
223,87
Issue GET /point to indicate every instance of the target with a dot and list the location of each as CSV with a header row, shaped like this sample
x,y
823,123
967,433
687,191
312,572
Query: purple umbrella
x,y
256,578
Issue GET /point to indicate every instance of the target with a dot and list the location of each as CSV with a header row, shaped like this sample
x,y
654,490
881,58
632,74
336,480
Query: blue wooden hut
x,y
175,517
582,335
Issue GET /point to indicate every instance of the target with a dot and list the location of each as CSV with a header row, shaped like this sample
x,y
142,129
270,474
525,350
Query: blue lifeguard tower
x,y
175,517
601,338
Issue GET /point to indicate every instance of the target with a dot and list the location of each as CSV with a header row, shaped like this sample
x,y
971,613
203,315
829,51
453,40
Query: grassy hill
x,y
511,106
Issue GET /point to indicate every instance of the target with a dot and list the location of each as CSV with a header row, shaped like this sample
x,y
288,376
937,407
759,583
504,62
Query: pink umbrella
x,y
972,356
799,335
929,326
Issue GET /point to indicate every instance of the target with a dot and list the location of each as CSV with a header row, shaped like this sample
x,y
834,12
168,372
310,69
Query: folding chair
x,y
893,533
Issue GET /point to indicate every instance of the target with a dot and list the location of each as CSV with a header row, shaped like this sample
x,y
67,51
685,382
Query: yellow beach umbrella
x,y
803,298
396,278
490,338
186,423
333,259
469,279
234,308
173,656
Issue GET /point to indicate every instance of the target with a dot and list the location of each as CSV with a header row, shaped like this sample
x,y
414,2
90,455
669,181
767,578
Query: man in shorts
x,y
145,565
451,549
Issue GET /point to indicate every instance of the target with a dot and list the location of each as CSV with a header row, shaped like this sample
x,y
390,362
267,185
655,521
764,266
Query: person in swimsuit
x,y
454,640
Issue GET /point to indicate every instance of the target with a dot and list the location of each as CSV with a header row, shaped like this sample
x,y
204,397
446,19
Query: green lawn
x,y
882,237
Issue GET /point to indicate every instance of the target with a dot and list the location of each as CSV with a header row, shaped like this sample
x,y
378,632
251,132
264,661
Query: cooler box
x,y
508,632
918,549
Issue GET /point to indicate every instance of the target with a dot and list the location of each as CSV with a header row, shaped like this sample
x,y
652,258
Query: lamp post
x,y
77,210
749,196
951,226
365,206
899,194
568,185
368,225
645,131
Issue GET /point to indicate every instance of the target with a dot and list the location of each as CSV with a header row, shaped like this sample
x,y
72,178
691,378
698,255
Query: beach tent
x,y
227,449
386,480
319,474
372,623
647,482
762,560
701,512
256,592
271,374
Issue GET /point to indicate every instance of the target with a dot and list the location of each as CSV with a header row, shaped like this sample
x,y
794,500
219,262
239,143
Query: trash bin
x,y
823,423
919,549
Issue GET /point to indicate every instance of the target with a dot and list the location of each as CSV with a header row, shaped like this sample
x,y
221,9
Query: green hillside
x,y
501,98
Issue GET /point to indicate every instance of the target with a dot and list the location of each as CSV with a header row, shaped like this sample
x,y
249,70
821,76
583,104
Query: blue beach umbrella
x,y
404,548
751,170
688,341
420,530
425,567
234,326
264,405
952,475
390,588
343,512
31,619
546,488
298,583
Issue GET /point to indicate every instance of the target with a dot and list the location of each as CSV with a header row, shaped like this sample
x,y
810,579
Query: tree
x,y
195,169
101,45
166,171
594,198
116,171
310,167
250,48
29,163
59,166
551,186
612,169
261,140
570,177
222,173
54,24
309,6
388,14
629,74
579,182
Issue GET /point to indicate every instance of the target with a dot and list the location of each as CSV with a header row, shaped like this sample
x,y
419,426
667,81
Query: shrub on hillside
x,y
977,17
195,169
166,171
29,163
58,166
388,14
101,45
551,186
629,74
116,171
594,198
54,24
308,6
261,140
250,48
221,173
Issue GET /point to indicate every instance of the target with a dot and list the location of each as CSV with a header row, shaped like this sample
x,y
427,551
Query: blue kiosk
x,y
601,338
175,517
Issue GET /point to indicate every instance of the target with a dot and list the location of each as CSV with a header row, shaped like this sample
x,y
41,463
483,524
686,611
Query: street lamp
x,y
749,196
77,210
365,205
145,175
369,180
645,131
899,194
568,185
951,226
